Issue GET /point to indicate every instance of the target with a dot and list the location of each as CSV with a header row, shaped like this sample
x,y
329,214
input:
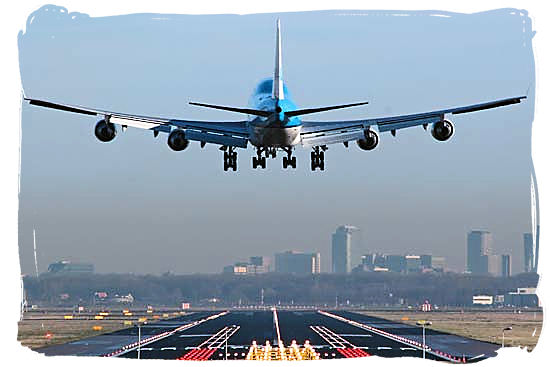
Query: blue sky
x,y
134,205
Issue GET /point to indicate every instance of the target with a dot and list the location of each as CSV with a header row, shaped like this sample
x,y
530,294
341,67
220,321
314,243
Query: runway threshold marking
x,y
133,346
343,346
205,350
397,338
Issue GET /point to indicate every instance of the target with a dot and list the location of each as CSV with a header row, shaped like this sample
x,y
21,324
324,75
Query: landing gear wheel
x,y
318,159
285,162
254,162
230,160
293,162
262,162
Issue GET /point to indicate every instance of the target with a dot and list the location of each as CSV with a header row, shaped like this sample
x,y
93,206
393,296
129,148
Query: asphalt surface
x,y
336,334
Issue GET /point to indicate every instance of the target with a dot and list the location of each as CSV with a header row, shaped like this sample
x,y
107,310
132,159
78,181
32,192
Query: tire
x,y
263,163
285,162
322,155
322,165
225,165
293,162
254,162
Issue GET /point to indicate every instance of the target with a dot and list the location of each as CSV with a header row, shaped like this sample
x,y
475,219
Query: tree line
x,y
373,289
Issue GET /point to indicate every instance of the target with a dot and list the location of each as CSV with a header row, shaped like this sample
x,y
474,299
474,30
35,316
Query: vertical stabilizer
x,y
278,92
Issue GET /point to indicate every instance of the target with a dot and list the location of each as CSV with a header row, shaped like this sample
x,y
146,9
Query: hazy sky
x,y
134,205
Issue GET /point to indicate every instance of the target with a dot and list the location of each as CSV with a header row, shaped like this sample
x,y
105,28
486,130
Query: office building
x,y
293,262
506,266
494,265
341,249
478,249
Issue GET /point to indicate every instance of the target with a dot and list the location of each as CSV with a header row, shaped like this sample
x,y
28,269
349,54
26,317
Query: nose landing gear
x,y
318,158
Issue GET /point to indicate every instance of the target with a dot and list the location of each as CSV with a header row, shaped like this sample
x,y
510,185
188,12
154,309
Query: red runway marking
x,y
198,355
352,352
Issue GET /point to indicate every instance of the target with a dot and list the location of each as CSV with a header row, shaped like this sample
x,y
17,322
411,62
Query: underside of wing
x,y
331,132
231,133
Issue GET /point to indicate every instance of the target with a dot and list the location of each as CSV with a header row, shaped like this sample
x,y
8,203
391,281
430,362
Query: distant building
x,y
257,265
426,261
528,253
341,249
237,269
506,266
478,249
68,267
293,262
523,297
494,265
413,264
439,263
395,263
262,263
482,300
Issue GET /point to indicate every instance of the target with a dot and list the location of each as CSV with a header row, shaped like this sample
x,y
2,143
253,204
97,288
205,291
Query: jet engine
x,y
443,130
370,141
105,131
177,141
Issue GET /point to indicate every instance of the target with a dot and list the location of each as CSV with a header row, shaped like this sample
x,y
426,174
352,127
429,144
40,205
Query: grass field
x,y
39,330
480,325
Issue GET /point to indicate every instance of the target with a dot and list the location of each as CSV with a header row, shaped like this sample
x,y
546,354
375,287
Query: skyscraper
x,y
506,266
341,249
528,253
478,251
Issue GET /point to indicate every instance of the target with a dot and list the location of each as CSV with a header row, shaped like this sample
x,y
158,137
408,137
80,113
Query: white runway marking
x,y
357,335
194,335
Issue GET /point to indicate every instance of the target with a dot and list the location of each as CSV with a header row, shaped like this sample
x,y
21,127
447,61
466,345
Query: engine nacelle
x,y
443,130
105,131
177,141
370,141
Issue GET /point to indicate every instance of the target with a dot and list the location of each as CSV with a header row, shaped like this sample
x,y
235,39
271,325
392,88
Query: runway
x,y
230,335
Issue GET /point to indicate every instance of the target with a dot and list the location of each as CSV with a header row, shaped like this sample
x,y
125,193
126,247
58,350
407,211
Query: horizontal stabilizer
x,y
249,111
308,111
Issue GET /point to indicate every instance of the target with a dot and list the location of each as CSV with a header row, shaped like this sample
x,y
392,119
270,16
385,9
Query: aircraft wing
x,y
231,133
316,133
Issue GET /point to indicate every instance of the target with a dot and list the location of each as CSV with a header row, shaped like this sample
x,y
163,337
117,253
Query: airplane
x,y
274,124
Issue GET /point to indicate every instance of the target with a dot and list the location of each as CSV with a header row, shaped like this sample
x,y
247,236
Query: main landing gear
x,y
259,160
318,158
289,160
229,158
